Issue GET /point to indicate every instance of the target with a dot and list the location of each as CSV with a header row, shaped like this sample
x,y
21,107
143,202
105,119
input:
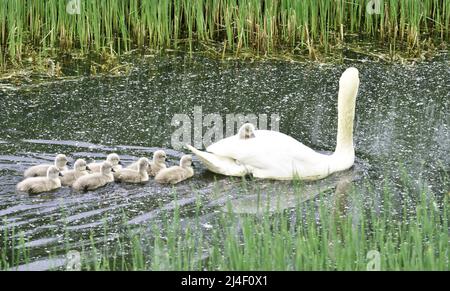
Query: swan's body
x,y
176,174
41,170
114,159
274,155
80,168
95,180
134,176
35,185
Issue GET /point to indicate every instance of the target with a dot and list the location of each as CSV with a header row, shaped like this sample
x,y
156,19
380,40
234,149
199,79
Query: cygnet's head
x,y
106,168
114,159
53,173
81,165
61,161
186,161
159,157
143,164
247,131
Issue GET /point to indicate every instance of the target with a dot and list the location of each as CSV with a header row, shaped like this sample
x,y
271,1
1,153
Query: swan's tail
x,y
220,165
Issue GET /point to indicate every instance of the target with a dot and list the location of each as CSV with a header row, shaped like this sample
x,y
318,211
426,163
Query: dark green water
x,y
402,133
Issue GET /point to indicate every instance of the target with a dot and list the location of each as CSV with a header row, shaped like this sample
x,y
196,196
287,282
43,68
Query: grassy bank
x,y
327,233
260,27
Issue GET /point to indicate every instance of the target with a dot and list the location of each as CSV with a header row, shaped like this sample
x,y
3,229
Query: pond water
x,y
402,129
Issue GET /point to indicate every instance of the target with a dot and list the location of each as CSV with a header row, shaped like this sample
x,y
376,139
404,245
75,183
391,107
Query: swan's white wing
x,y
220,165
270,154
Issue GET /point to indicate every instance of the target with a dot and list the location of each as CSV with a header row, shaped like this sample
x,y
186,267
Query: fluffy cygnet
x,y
80,168
95,180
134,176
41,170
158,163
247,131
176,174
35,185
113,159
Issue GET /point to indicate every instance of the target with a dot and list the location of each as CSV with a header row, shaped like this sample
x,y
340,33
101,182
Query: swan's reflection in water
x,y
279,196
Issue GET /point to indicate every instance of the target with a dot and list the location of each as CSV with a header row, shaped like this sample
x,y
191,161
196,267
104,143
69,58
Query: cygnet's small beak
x,y
120,163
69,164
87,168
61,174
112,170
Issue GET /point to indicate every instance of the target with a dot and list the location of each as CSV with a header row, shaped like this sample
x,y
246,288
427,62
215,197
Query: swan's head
x,y
80,165
143,164
186,161
159,157
349,83
247,131
61,161
114,159
53,173
106,168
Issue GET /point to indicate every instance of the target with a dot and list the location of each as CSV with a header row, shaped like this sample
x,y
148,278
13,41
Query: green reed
x,y
253,25
325,233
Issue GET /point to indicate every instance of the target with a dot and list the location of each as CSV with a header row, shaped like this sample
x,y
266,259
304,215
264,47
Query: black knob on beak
x,y
61,174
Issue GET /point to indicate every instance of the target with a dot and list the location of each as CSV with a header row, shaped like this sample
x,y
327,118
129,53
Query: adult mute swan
x,y
274,155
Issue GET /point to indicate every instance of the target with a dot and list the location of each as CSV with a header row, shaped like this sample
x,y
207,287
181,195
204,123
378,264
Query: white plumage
x,y
274,155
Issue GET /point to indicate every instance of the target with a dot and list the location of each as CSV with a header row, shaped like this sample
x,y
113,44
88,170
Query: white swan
x,y
134,176
176,174
80,168
37,185
113,158
41,170
274,155
95,180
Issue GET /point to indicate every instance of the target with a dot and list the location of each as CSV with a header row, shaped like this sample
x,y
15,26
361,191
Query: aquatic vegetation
x,y
260,27
325,233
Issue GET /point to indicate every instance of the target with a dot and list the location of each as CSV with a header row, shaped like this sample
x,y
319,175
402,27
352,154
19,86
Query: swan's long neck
x,y
348,89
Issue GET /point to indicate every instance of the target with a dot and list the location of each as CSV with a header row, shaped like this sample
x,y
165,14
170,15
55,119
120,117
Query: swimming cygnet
x,y
95,180
134,176
113,159
176,174
158,163
37,185
41,170
247,131
80,168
